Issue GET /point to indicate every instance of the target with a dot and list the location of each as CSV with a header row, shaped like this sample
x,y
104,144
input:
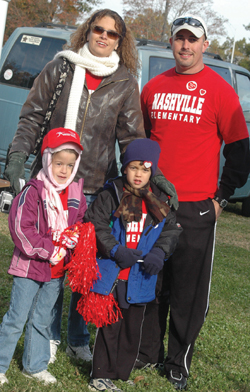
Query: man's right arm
x,y
236,169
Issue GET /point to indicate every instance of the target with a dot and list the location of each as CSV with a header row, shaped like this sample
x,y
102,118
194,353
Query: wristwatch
x,y
222,202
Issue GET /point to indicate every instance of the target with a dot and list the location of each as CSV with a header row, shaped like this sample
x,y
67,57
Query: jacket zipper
x,y
114,284
85,115
88,101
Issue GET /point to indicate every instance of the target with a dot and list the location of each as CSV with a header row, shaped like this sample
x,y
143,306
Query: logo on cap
x,y
71,134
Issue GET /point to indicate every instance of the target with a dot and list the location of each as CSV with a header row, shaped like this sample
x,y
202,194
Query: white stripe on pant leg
x,y
91,372
212,262
185,359
143,317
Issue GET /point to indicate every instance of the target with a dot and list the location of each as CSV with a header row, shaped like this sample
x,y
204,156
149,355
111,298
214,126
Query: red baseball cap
x,y
58,136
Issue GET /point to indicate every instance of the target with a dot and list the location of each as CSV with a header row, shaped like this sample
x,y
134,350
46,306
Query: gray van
x,y
29,48
23,57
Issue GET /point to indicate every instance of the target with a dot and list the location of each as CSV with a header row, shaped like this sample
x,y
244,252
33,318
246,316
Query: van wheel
x,y
246,206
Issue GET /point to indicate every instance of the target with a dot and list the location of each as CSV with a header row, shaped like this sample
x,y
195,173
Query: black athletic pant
x,y
117,345
190,278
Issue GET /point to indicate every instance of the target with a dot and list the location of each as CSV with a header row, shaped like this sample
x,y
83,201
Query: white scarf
x,y
98,66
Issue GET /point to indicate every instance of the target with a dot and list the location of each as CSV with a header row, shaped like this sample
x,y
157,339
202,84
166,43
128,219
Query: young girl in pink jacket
x,y
46,206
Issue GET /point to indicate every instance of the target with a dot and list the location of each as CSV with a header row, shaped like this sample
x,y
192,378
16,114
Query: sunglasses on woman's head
x,y
110,33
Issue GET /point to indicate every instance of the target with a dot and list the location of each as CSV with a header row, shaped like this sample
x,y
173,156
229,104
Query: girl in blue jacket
x,y
135,232
40,213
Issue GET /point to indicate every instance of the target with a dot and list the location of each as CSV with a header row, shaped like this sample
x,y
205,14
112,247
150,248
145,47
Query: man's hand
x,y
218,209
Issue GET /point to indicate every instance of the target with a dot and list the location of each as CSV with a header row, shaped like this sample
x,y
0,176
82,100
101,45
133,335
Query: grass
x,y
221,358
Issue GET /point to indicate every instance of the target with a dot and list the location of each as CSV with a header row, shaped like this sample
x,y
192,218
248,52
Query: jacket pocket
x,y
141,286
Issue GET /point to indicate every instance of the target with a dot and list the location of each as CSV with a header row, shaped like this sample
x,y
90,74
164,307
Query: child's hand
x,y
126,257
153,262
58,255
70,242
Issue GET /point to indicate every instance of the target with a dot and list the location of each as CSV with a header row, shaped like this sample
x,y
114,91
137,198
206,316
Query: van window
x,y
243,89
27,58
157,65
223,72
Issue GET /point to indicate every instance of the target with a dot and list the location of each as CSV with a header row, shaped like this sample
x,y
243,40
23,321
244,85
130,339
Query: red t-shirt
x,y
133,234
189,116
57,271
92,81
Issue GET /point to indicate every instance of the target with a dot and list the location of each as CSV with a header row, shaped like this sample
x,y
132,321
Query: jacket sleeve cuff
x,y
223,193
113,251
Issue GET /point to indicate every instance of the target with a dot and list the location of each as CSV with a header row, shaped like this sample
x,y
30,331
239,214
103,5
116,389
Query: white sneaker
x,y
44,376
3,379
80,352
53,349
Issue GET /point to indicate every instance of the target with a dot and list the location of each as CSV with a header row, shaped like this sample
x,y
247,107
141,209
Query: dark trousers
x,y
153,332
190,278
117,345
155,319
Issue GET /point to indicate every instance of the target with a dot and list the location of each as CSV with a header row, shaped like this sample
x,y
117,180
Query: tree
x,y
146,26
216,48
241,53
31,13
245,63
162,12
144,17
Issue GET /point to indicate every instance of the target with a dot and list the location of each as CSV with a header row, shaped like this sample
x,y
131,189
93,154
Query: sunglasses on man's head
x,y
110,33
190,21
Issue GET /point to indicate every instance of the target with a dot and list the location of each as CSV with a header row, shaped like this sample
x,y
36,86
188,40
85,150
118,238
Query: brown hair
x,y
126,49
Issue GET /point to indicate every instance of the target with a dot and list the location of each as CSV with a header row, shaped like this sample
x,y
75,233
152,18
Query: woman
x,y
99,101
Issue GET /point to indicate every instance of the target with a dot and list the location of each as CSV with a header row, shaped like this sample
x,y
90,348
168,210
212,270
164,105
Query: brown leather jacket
x,y
112,112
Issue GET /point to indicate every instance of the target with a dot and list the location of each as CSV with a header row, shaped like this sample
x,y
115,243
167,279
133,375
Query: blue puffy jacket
x,y
141,286
111,232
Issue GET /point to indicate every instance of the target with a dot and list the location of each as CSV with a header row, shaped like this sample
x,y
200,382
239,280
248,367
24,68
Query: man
x,y
189,110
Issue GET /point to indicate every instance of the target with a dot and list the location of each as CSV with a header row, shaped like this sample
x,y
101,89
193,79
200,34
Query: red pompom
x,y
83,270
99,309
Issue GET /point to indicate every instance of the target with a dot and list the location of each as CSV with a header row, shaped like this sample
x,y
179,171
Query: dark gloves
x,y
126,257
168,188
153,262
15,170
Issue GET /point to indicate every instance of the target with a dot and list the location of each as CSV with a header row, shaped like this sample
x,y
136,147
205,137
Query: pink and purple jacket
x,y
28,224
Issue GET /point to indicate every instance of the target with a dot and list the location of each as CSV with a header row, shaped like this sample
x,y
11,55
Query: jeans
x,y
34,301
78,334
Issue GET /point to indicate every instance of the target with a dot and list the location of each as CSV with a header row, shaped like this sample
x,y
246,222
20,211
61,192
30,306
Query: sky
x,y
237,13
